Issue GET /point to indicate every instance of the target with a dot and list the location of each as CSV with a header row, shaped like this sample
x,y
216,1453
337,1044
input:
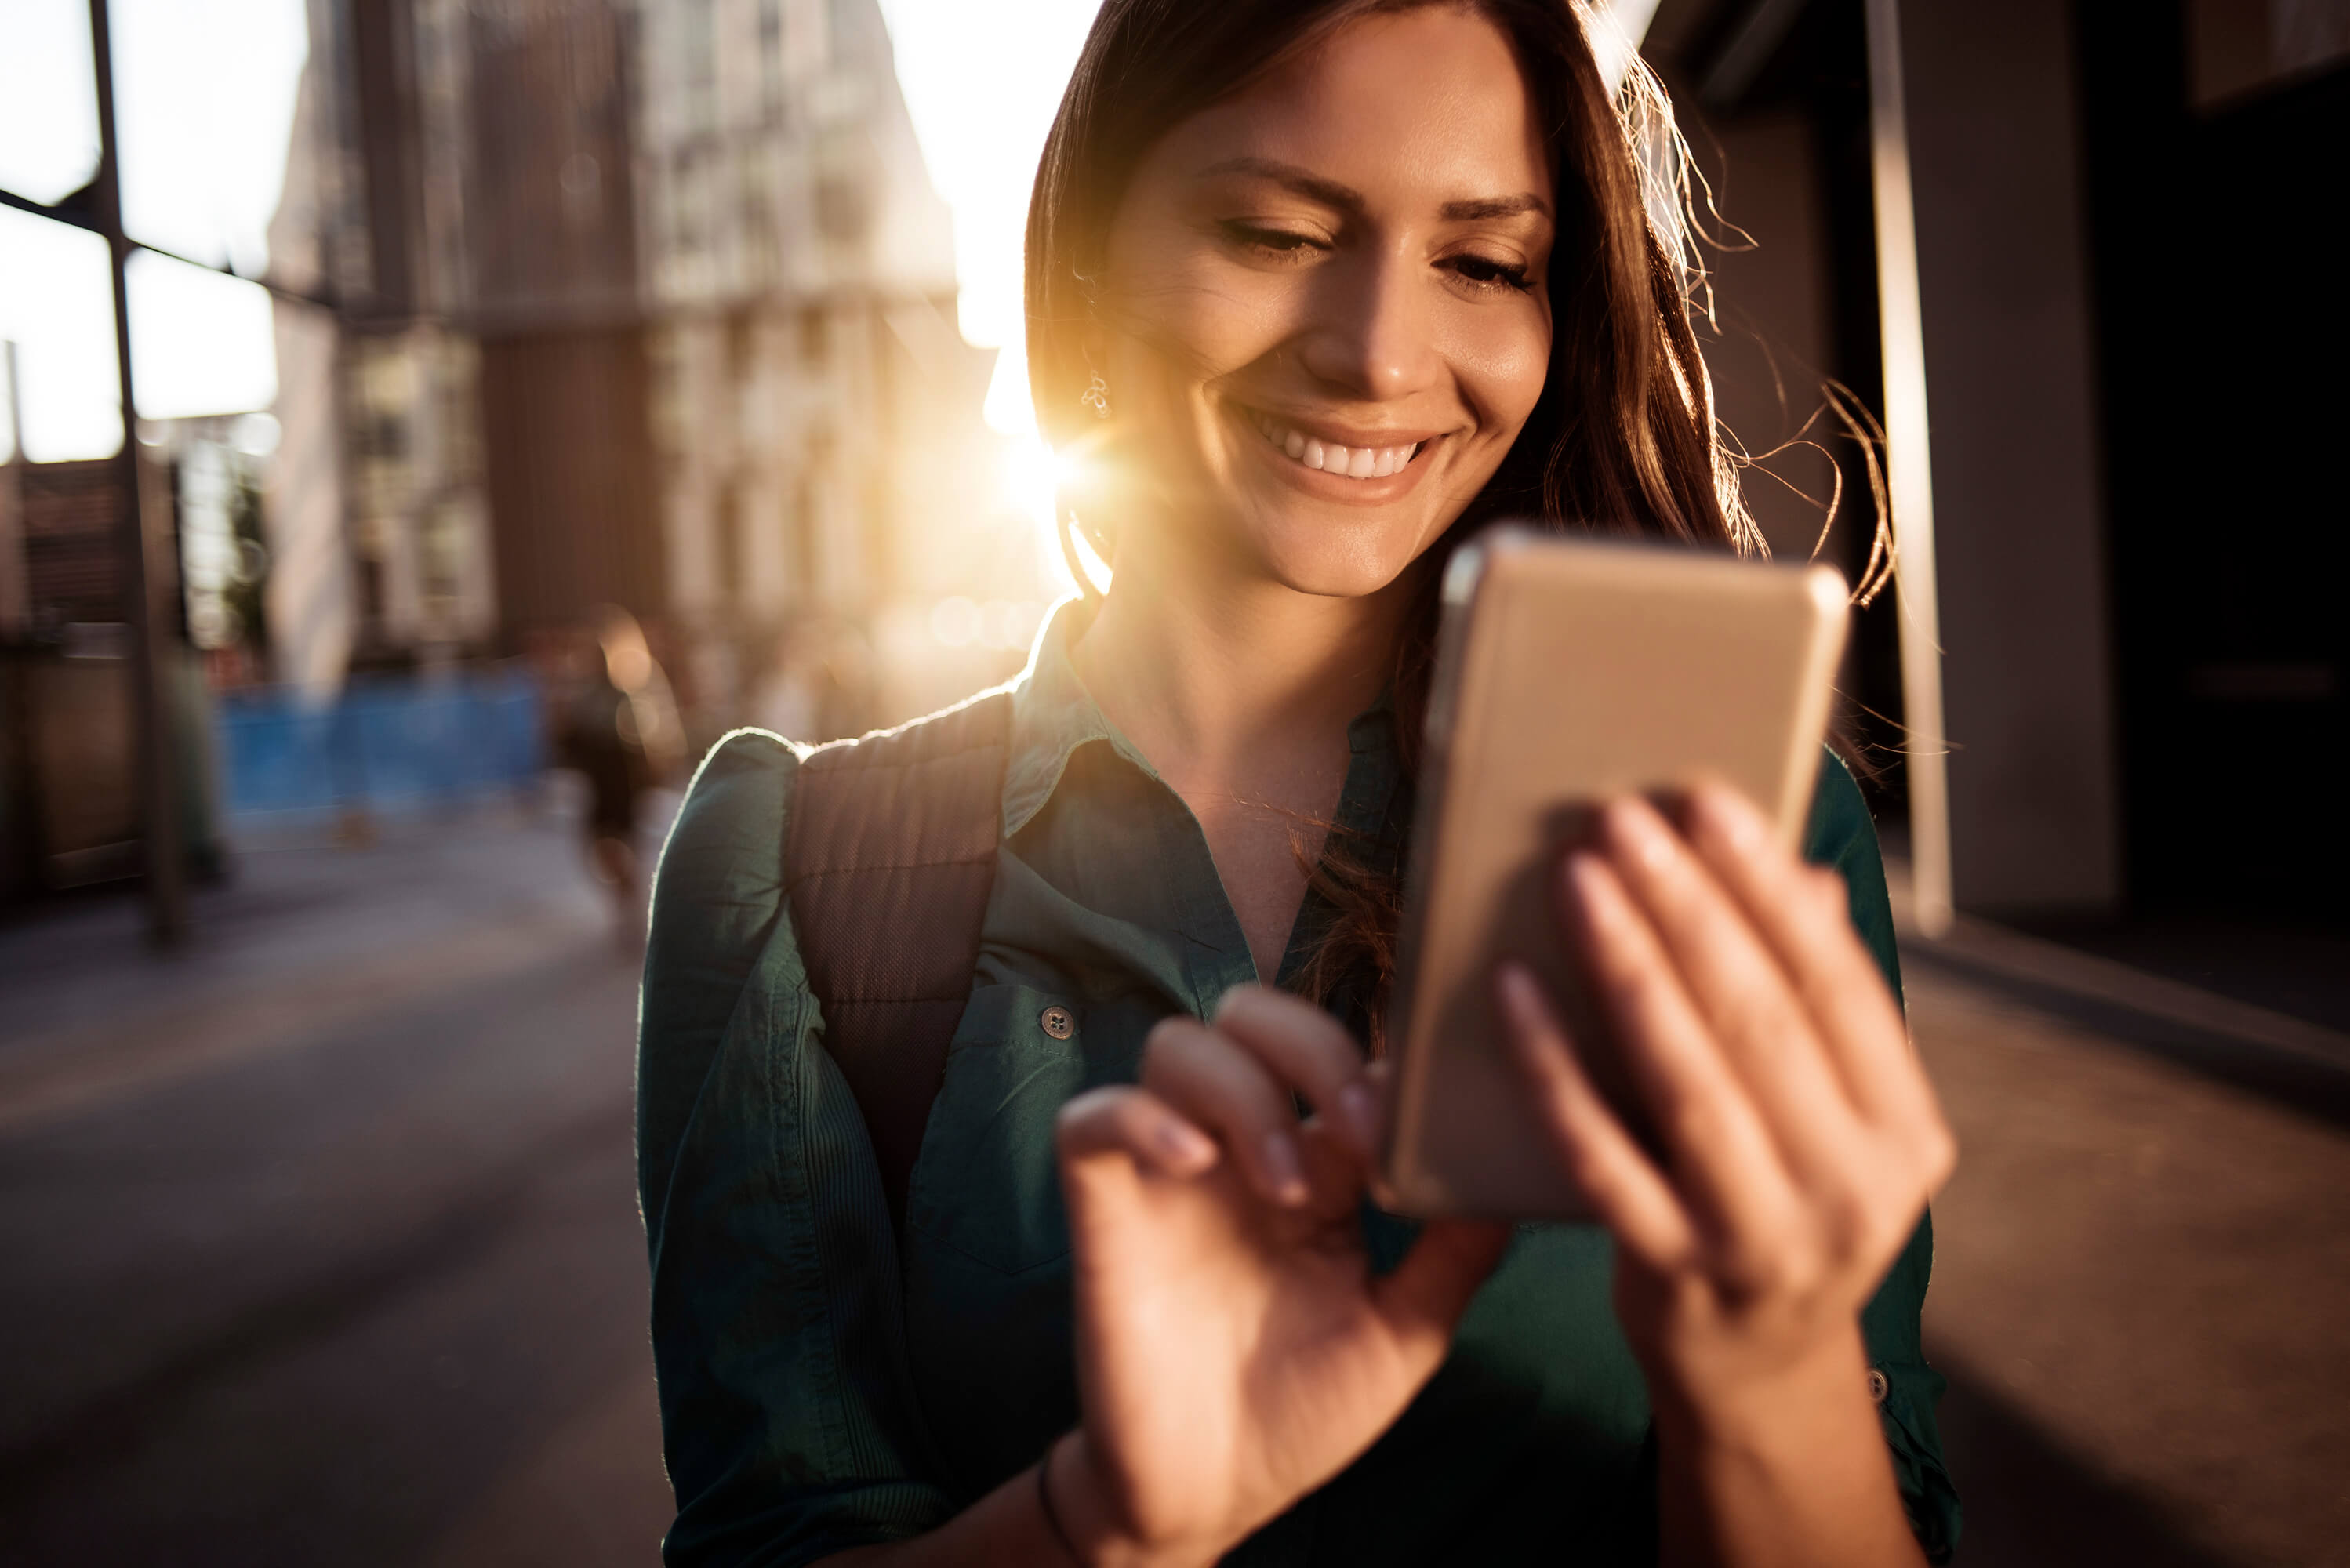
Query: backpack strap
x,y
889,859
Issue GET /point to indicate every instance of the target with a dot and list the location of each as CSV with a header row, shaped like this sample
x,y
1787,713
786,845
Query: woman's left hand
x,y
1798,1138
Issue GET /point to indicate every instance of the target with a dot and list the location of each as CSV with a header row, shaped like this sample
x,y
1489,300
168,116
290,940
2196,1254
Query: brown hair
x,y
1623,439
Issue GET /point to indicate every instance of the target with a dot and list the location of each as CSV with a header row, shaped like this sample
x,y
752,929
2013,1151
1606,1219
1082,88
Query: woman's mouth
x,y
1326,457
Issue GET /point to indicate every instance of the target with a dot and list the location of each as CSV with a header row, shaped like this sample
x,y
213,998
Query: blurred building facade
x,y
576,302
641,305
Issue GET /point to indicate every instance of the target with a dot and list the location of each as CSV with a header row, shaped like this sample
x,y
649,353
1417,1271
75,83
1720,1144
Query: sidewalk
x,y
2142,1265
327,1224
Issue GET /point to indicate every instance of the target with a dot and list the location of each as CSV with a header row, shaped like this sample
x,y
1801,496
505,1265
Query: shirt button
x,y
1878,1386
1058,1022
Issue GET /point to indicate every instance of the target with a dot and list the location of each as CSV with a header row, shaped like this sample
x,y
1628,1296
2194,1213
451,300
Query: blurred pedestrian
x,y
620,729
997,1214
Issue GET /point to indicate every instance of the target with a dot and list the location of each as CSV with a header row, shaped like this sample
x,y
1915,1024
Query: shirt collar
x,y
1052,715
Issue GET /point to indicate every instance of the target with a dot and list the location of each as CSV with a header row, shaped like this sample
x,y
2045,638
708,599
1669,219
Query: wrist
x,y
1091,1522
1780,1463
1781,1404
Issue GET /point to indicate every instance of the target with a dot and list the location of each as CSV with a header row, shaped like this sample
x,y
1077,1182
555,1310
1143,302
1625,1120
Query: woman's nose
x,y
1371,335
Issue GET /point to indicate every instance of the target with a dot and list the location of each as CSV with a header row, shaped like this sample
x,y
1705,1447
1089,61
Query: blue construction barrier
x,y
385,744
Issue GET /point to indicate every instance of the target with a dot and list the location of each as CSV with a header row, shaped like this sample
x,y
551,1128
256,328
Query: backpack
x,y
889,859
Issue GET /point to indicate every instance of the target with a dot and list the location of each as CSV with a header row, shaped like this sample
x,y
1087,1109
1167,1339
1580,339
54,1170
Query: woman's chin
x,y
1337,560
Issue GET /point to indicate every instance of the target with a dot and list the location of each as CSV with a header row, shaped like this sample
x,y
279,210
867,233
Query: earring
x,y
1096,397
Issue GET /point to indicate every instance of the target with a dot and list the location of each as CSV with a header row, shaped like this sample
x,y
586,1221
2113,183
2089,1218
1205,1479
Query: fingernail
x,y
1639,829
1517,992
1522,1003
1583,872
1740,823
1183,1144
1360,1108
1281,1164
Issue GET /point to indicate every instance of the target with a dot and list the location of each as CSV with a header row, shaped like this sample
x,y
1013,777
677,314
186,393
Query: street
x,y
340,1262
324,1246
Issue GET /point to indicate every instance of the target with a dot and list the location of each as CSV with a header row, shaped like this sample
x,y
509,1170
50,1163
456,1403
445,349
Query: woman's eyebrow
x,y
1486,207
1347,198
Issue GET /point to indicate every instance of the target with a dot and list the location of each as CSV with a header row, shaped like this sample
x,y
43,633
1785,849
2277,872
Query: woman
x,y
1322,284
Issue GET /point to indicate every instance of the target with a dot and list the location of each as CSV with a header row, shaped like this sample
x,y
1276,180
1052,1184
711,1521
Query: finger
x,y
1736,979
1123,1123
1309,1051
1722,1163
1808,925
1631,1197
1422,1299
1225,1089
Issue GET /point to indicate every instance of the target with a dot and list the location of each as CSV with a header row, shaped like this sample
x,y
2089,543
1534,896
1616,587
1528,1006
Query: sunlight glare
x,y
1032,475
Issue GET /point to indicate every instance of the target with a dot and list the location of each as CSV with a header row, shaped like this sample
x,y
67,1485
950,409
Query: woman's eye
x,y
1485,272
1273,242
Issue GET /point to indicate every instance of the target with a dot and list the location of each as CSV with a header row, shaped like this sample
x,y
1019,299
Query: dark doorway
x,y
2214,228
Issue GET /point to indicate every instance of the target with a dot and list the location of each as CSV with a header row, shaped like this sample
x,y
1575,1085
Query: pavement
x,y
325,1248
326,1234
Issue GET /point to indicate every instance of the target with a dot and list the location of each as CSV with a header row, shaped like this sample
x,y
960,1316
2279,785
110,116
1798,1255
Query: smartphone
x,y
1567,671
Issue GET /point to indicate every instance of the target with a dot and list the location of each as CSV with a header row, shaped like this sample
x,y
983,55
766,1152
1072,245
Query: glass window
x,y
56,305
49,100
204,98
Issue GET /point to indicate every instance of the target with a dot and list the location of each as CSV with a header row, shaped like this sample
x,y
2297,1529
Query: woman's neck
x,y
1237,685
1239,691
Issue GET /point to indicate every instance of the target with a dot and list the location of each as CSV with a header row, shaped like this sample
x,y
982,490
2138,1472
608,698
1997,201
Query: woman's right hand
x,y
1235,1350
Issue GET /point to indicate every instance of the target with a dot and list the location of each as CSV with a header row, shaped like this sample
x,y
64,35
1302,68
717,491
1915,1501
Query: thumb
x,y
1425,1295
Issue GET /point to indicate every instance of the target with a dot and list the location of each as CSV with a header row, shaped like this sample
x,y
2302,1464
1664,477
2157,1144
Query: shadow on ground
x,y
2032,1504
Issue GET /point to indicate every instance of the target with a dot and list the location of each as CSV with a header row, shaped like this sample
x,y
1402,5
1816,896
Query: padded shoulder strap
x,y
887,862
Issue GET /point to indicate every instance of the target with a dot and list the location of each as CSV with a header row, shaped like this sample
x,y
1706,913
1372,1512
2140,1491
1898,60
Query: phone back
x,y
1567,671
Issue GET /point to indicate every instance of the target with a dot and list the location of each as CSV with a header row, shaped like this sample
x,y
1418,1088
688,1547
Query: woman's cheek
x,y
1501,353
1508,367
1231,319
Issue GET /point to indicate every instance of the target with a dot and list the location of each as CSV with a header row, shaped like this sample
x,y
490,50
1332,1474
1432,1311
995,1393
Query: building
x,y
637,305
799,271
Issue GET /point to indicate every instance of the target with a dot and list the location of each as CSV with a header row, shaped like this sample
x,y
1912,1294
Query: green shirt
x,y
802,1417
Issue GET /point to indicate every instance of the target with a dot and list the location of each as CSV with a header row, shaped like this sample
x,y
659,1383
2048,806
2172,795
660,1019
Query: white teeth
x,y
1352,462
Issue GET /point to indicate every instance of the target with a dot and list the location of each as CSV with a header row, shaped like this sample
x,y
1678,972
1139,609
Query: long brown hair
x,y
1623,439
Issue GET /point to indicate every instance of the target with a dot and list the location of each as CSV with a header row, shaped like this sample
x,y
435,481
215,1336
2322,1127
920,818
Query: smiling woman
x,y
998,1212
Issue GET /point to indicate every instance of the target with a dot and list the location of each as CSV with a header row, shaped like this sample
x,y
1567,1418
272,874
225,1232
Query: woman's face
x,y
1326,315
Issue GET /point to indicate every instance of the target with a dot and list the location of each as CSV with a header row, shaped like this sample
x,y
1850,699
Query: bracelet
x,y
1052,1515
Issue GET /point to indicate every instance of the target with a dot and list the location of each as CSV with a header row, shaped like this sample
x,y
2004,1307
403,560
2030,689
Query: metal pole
x,y
150,622
1910,472
16,594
